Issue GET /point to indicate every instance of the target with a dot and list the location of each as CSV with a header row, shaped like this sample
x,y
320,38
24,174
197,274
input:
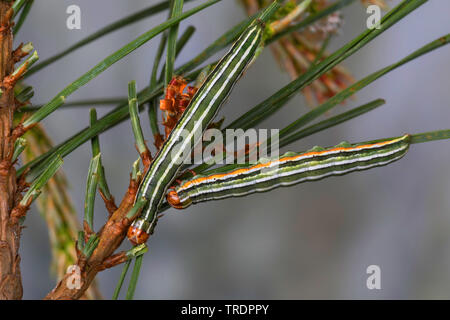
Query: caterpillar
x,y
289,169
198,114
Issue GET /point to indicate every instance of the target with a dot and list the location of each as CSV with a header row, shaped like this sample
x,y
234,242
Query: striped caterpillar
x,y
197,116
287,170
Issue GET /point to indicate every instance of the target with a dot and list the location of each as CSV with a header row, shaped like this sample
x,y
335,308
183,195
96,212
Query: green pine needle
x,y
19,146
134,277
23,16
95,146
134,116
126,266
175,11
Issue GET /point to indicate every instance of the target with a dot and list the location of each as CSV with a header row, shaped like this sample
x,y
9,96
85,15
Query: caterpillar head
x,y
174,200
136,232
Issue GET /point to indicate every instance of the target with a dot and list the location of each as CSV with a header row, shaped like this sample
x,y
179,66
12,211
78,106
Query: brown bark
x,y
10,278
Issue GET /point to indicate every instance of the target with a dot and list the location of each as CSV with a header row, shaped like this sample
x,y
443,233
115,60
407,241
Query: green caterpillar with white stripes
x,y
289,169
197,116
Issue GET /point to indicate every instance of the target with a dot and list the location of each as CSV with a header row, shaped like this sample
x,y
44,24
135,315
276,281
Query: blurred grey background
x,y
312,240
